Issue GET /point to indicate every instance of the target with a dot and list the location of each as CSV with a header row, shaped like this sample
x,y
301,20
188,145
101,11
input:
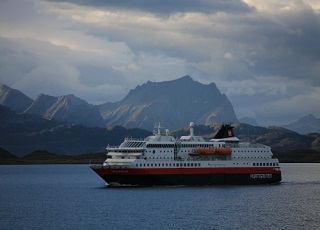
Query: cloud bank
x,y
264,55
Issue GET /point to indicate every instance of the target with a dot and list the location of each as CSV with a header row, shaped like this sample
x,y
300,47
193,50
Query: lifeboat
x,y
203,152
223,151
206,151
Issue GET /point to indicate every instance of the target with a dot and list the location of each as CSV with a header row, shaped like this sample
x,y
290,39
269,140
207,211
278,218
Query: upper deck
x,y
163,146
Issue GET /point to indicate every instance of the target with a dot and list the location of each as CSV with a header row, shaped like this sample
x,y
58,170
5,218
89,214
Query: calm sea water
x,y
74,197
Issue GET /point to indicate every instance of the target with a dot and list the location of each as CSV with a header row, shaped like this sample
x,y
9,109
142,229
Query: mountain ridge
x,y
174,103
21,134
67,108
14,98
304,125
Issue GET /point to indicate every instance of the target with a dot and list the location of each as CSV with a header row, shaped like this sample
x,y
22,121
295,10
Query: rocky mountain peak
x,y
308,118
175,103
68,108
304,125
71,99
14,99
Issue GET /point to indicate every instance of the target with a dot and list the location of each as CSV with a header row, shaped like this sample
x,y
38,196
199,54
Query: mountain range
x,y
174,103
22,133
68,125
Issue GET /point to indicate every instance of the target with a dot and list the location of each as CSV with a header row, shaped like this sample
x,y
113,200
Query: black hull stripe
x,y
192,179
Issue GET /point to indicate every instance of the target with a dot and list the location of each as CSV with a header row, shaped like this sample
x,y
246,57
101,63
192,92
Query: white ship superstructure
x,y
162,159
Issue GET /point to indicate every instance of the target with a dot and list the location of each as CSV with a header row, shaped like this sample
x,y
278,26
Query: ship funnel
x,y
191,125
224,132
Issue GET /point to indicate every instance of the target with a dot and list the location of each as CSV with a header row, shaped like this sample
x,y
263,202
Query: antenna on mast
x,y
158,127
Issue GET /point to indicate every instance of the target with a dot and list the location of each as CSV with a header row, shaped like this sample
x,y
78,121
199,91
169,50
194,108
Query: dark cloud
x,y
290,46
167,7
94,76
263,54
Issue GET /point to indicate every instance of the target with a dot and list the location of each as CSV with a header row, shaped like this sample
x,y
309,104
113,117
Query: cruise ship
x,y
163,160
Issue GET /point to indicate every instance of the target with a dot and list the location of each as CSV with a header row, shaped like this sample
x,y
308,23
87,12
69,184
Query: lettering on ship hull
x,y
261,176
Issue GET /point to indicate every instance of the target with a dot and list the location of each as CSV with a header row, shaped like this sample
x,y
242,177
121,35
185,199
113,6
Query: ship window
x,y
191,164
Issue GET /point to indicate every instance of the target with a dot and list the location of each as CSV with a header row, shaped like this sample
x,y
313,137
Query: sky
x,y
264,55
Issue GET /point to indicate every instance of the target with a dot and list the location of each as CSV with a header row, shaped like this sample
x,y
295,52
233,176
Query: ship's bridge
x,y
160,138
132,143
192,138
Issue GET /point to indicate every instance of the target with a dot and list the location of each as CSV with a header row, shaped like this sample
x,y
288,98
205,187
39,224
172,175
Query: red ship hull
x,y
189,176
